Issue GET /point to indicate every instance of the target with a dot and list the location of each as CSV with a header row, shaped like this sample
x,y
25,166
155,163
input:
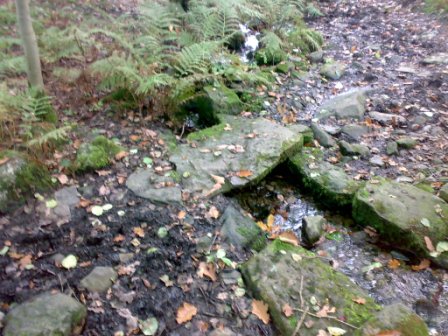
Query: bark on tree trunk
x,y
29,44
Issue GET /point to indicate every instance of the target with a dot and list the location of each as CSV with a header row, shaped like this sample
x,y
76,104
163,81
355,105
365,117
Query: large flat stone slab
x,y
329,184
46,315
146,183
405,216
242,151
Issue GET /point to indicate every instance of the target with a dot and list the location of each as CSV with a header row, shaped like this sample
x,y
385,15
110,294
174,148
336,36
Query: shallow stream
x,y
352,251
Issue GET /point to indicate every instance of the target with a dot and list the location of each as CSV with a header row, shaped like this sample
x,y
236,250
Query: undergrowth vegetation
x,y
156,60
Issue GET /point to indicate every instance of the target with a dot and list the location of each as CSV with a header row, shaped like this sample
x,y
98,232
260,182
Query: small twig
x,y
299,324
300,291
213,242
328,317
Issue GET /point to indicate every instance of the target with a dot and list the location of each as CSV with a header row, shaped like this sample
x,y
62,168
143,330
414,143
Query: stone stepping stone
x,y
241,151
406,217
329,184
345,106
282,274
99,280
46,315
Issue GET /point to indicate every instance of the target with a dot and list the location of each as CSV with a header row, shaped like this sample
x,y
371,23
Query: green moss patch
x,y
96,154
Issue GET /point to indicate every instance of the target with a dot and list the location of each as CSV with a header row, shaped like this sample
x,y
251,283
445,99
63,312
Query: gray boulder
x,y
333,70
353,149
440,58
387,119
239,229
444,192
355,131
312,228
345,106
407,142
406,217
46,315
324,139
99,280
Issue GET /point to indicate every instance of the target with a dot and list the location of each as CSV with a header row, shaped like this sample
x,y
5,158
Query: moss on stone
x,y
207,133
96,154
269,56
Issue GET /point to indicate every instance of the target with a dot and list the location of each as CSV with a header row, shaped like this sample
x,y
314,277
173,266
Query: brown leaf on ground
x,y
218,179
138,231
429,244
215,188
181,214
326,309
359,300
185,313
62,178
213,212
289,237
84,203
121,155
25,261
119,238
244,173
287,310
424,264
393,264
207,270
260,310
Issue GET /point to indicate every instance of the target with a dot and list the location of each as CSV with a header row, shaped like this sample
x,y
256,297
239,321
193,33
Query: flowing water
x,y
352,252
250,45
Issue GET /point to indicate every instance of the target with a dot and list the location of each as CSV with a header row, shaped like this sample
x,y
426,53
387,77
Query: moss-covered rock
x,y
443,193
284,68
241,230
333,70
271,52
329,184
275,275
96,154
242,150
18,176
46,315
404,216
394,318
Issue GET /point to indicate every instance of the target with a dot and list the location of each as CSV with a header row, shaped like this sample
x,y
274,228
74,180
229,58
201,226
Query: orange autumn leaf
x,y
260,310
138,231
289,237
134,137
213,212
424,264
244,173
121,155
119,238
185,313
429,244
389,333
393,264
207,270
287,310
359,300
25,261
181,214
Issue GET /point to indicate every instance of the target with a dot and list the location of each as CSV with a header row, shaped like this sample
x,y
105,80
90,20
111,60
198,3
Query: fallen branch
x,y
327,317
299,324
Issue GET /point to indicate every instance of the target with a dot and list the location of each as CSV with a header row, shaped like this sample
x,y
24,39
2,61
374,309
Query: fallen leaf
x,y
287,310
166,280
213,212
84,203
424,264
104,172
25,261
149,326
325,310
289,237
185,313
244,173
442,246
334,331
359,300
62,178
121,155
215,188
389,333
208,270
429,244
393,264
119,238
181,214
69,261
139,232
260,309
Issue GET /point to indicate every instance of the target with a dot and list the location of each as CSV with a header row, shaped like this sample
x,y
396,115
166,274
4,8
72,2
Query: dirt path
x,y
382,44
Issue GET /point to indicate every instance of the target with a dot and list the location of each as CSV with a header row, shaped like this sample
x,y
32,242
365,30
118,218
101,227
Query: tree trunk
x,y
29,44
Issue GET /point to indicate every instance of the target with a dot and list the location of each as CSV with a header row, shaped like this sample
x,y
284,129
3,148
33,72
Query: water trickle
x,y
250,45
354,253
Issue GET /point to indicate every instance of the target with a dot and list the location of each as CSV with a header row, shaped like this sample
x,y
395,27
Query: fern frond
x,y
54,135
313,11
12,66
195,59
149,83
